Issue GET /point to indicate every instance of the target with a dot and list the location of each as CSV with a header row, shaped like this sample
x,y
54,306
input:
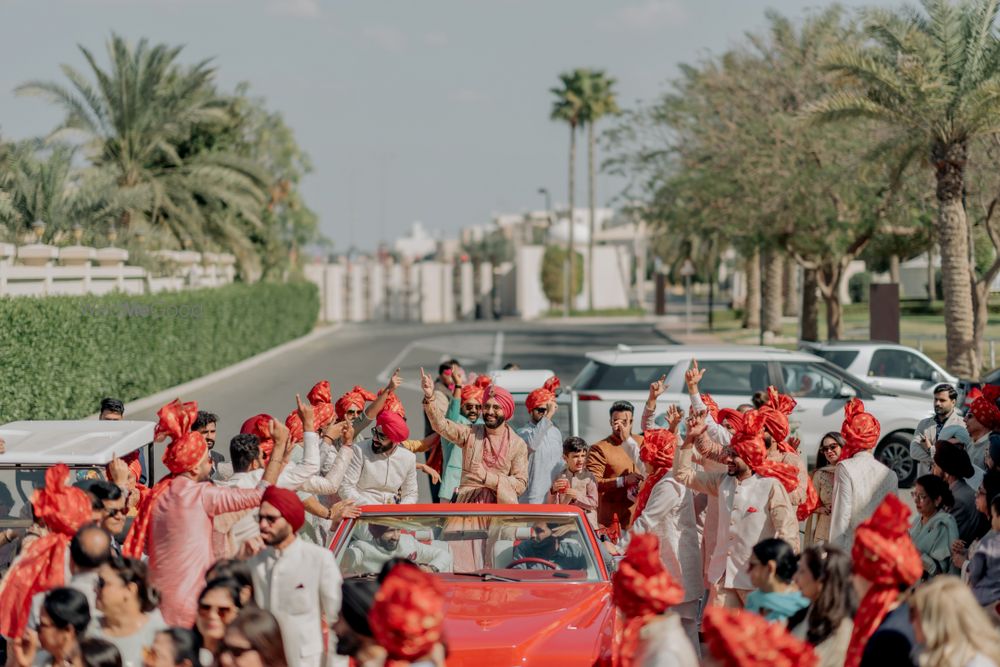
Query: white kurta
x,y
545,460
664,643
860,484
300,586
363,557
379,479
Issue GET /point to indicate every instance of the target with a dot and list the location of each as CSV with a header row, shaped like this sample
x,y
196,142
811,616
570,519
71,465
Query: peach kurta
x,y
608,460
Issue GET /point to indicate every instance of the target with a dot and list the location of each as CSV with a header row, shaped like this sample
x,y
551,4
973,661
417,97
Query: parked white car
x,y
894,368
733,374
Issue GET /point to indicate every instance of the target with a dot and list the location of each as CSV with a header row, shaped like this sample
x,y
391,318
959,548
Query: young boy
x,y
576,485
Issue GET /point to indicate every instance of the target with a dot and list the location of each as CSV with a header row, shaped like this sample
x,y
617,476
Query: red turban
x,y
884,555
641,587
860,429
748,443
260,426
658,447
776,412
287,503
738,638
984,407
392,403
320,393
504,398
355,398
393,425
734,417
408,614
477,390
134,465
186,449
322,403
545,394
713,407
42,566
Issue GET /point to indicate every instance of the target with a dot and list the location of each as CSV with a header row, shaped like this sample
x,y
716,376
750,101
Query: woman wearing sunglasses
x,y
128,603
818,524
253,639
218,605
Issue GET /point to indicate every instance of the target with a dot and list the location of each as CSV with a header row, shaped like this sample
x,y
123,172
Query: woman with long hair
x,y
951,628
934,529
824,577
218,605
62,624
128,603
818,525
253,639
772,565
174,647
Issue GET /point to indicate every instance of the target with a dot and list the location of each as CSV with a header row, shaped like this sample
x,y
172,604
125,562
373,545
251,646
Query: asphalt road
x,y
366,354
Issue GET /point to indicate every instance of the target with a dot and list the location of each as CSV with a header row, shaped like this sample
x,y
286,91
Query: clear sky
x,y
429,110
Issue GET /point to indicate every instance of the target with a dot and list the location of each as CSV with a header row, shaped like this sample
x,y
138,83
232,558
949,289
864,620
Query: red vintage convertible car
x,y
524,584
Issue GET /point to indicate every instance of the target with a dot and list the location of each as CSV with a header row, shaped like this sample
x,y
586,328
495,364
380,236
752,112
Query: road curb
x,y
167,395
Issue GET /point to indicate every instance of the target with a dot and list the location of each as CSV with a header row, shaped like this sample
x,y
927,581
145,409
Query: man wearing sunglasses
x,y
381,472
109,510
544,442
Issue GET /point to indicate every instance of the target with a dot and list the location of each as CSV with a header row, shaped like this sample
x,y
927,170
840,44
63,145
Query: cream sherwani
x,y
379,479
859,485
364,557
301,587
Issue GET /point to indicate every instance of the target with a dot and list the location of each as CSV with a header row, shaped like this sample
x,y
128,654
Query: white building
x,y
417,244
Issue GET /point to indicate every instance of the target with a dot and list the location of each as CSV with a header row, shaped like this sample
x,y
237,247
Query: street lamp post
x,y
548,208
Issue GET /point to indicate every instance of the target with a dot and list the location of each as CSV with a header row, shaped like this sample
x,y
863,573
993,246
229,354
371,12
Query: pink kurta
x,y
180,542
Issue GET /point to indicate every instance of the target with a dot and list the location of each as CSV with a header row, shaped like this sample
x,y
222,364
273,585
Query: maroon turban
x,y
504,398
393,425
288,503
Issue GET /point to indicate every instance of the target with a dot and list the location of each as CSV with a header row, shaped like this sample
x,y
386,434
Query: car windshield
x,y
842,358
596,375
497,547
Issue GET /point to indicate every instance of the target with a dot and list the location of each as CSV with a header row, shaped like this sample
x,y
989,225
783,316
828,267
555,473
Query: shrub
x,y
552,273
857,286
60,355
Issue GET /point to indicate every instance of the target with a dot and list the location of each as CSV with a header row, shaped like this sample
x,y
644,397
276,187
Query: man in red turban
x,y
982,419
774,415
407,617
544,441
174,522
352,404
62,509
381,472
737,638
296,581
752,501
886,563
860,481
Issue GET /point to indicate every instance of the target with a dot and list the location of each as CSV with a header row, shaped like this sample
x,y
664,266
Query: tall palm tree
x,y
597,90
933,77
568,107
138,122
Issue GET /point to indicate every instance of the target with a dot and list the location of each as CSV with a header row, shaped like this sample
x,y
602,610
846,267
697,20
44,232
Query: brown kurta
x,y
608,461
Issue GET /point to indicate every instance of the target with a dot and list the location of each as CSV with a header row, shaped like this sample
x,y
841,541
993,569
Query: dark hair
x,y
101,490
229,584
759,399
447,365
952,393
781,552
991,483
99,653
68,608
85,557
244,449
186,644
112,405
260,628
230,568
358,595
511,366
621,406
204,419
937,489
574,444
995,505
136,572
833,435
837,599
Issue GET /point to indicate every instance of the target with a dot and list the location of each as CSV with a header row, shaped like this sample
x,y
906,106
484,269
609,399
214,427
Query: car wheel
x,y
894,452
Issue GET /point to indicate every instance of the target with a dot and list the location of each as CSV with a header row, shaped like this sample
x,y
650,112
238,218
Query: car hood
x,y
497,623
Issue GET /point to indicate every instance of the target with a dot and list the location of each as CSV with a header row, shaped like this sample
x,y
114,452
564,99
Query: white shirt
x,y
299,585
545,460
378,479
363,557
860,484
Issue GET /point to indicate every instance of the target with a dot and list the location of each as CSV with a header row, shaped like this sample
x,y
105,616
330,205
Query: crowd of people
x,y
730,550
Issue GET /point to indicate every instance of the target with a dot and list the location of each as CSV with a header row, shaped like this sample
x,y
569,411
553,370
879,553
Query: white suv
x,y
733,374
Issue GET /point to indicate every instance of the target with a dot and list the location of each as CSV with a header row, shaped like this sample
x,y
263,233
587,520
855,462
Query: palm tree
x,y
598,101
138,122
934,79
569,108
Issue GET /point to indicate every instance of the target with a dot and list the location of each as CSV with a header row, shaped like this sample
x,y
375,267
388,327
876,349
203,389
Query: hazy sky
x,y
430,110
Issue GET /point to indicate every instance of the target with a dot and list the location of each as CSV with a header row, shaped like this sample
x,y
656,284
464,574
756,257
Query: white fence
x,y
43,270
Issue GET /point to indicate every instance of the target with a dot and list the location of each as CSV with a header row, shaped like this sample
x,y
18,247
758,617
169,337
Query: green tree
x,y
568,108
933,79
597,92
552,274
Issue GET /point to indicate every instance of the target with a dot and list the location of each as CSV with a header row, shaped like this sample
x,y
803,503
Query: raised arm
x,y
684,472
447,429
277,461
786,525
656,390
222,499
329,483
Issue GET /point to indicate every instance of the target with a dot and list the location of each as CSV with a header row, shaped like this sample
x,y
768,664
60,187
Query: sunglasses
x,y
235,651
222,612
541,411
829,448
469,407
115,513
270,518
378,435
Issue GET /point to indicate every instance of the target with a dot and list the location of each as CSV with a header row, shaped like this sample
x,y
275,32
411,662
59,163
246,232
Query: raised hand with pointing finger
x,y
427,385
657,388
693,376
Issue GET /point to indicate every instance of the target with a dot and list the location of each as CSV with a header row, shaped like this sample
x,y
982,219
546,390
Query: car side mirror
x,y
936,377
846,391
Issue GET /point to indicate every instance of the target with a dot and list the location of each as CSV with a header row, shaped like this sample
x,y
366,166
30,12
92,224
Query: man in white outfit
x,y
298,582
381,472
388,542
544,442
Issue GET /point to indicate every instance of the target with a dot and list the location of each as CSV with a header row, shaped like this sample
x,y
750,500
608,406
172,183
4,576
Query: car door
x,y
732,382
819,398
901,372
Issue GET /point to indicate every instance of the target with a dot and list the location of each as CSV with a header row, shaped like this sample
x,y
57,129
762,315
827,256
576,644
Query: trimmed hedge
x,y
60,355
